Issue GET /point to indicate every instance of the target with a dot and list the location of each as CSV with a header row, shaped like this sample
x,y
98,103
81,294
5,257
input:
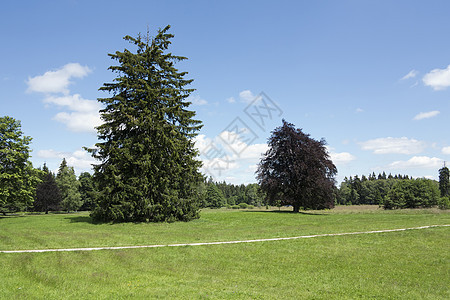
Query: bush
x,y
251,207
444,202
243,205
235,207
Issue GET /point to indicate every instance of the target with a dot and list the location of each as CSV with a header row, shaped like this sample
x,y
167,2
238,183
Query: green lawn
x,y
412,264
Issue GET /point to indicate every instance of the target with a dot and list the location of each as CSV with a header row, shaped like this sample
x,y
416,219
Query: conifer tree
x,y
148,169
69,187
87,190
48,196
444,185
214,197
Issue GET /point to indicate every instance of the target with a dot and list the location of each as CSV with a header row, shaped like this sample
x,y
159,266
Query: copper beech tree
x,y
297,170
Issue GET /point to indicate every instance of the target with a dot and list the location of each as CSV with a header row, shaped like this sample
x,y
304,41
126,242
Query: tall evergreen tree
x,y
444,185
86,190
18,178
297,170
69,187
214,197
148,169
48,196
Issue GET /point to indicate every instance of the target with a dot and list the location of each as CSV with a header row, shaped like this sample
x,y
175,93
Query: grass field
x,y
413,264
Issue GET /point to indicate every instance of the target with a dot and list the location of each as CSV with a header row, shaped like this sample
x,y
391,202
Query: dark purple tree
x,y
297,170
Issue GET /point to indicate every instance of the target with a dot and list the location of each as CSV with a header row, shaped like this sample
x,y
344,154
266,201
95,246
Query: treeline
x,y
390,191
63,191
222,194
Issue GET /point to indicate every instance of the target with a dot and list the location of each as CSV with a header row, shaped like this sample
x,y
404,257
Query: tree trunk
x,y
296,208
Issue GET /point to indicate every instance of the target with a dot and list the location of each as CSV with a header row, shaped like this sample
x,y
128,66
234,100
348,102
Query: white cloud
x,y
341,157
79,122
411,74
74,102
426,115
247,96
197,100
359,110
417,162
446,150
57,81
82,115
392,145
220,158
231,100
438,79
79,159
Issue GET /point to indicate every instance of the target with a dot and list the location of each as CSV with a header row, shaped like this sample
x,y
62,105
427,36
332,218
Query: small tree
x,y
297,170
86,190
48,196
214,196
18,178
68,185
444,185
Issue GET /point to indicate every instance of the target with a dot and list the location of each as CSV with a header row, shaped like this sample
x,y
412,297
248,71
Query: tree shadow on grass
x,y
288,212
10,216
83,219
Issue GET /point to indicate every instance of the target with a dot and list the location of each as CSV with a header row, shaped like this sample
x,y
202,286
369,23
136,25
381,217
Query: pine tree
x,y
48,196
69,187
18,178
444,185
87,190
297,170
148,169
214,197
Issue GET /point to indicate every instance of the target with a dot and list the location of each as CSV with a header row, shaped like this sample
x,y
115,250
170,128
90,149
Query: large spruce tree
x,y
148,169
297,170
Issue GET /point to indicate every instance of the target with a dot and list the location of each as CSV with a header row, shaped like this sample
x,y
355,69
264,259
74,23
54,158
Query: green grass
x,y
413,264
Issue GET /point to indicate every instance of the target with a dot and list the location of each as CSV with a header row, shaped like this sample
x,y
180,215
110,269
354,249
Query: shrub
x,y
235,207
444,203
243,205
251,207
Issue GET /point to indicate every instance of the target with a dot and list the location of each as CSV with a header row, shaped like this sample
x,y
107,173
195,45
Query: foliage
x,y
87,190
48,196
69,188
444,202
18,178
243,205
412,193
148,169
233,194
444,185
367,190
214,197
297,170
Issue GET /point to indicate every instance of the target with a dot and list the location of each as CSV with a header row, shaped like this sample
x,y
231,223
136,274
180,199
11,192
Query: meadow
x,y
413,264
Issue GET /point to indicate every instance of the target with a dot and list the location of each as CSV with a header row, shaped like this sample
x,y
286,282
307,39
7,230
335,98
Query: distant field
x,y
412,264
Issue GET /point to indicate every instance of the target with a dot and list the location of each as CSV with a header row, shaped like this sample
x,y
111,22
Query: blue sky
x,y
371,77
